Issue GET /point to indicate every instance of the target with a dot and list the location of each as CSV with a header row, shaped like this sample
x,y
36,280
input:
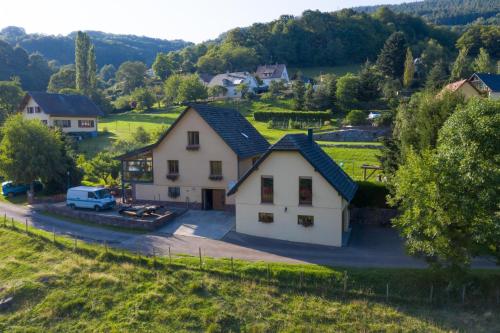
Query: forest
x,y
447,12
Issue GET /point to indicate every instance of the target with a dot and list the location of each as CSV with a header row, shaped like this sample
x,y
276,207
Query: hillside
x,y
110,48
447,12
93,289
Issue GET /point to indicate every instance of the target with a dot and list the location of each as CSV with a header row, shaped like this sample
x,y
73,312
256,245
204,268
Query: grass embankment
x,y
94,289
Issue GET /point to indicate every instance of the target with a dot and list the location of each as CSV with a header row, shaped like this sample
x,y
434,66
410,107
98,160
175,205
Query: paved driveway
x,y
200,223
370,246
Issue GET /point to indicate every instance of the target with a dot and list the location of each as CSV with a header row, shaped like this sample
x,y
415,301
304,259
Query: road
x,y
370,246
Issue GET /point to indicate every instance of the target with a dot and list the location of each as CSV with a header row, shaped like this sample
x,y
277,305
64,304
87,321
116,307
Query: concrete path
x,y
370,246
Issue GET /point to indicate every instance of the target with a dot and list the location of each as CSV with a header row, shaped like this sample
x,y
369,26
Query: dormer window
x,y
37,109
30,109
193,140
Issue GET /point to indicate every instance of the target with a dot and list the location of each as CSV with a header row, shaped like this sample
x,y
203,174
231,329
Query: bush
x,y
123,103
141,136
267,97
355,117
371,195
312,116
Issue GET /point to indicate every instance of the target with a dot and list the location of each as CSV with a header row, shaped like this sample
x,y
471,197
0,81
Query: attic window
x,y
246,136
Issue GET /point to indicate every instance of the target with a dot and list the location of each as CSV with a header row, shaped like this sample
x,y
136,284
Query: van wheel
x,y
97,208
10,195
72,206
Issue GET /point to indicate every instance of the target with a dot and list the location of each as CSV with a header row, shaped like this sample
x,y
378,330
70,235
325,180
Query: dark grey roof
x,y
64,105
492,81
229,124
205,77
228,79
270,71
313,153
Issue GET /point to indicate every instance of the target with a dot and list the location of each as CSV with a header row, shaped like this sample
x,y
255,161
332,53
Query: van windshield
x,y
101,194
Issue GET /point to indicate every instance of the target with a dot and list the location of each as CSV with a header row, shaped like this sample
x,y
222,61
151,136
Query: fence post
x,y
26,223
201,263
54,235
387,292
5,219
75,243
106,246
170,255
268,273
12,221
431,293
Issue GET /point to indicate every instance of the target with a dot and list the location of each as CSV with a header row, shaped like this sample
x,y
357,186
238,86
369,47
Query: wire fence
x,y
479,290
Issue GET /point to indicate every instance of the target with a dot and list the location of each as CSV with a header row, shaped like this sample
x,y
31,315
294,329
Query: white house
x,y
269,73
231,81
295,192
74,114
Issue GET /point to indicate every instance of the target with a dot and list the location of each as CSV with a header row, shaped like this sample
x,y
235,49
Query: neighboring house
x,y
269,73
295,192
231,81
463,87
487,84
206,150
74,114
205,78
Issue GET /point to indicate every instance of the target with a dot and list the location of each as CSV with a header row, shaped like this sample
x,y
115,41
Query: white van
x,y
89,197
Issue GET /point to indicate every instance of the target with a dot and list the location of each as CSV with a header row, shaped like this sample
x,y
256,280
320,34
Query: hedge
x,y
371,194
294,115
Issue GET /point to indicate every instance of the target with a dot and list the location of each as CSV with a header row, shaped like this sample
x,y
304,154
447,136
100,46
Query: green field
x,y
315,72
56,288
351,160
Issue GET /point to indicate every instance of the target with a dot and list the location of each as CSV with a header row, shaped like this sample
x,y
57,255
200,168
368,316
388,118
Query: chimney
x,y
310,133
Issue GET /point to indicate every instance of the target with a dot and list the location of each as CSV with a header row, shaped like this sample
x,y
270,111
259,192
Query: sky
x,y
191,20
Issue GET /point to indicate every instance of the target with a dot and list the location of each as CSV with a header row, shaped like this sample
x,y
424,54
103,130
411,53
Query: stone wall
x,y
361,134
115,220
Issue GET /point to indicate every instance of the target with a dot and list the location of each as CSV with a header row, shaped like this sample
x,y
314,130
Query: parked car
x,y
10,189
96,198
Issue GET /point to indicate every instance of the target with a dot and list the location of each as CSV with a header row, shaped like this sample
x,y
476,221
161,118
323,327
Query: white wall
x,y
286,168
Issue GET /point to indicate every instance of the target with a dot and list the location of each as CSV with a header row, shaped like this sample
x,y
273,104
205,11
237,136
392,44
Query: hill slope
x,y
447,12
110,48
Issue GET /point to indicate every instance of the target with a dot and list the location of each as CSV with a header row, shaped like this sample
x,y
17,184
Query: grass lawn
x,y
351,160
315,72
57,289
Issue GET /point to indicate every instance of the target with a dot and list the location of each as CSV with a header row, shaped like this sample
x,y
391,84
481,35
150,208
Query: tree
x,y
141,136
392,56
483,63
461,67
163,66
347,90
355,117
299,91
309,102
448,197
437,77
65,78
82,61
276,87
243,89
92,71
409,71
143,98
217,91
131,75
172,88
11,95
191,89
369,83
103,168
107,72
30,151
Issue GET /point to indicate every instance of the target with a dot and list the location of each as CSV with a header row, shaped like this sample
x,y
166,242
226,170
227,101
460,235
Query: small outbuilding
x,y
295,192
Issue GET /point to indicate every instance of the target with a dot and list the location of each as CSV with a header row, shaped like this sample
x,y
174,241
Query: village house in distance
x,y
231,81
270,73
74,114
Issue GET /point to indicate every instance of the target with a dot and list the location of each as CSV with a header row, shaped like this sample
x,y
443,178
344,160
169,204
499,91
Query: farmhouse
x,y
74,114
269,73
230,83
487,84
295,192
463,87
205,151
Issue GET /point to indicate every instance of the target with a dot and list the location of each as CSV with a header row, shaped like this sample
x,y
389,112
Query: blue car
x,y
9,189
